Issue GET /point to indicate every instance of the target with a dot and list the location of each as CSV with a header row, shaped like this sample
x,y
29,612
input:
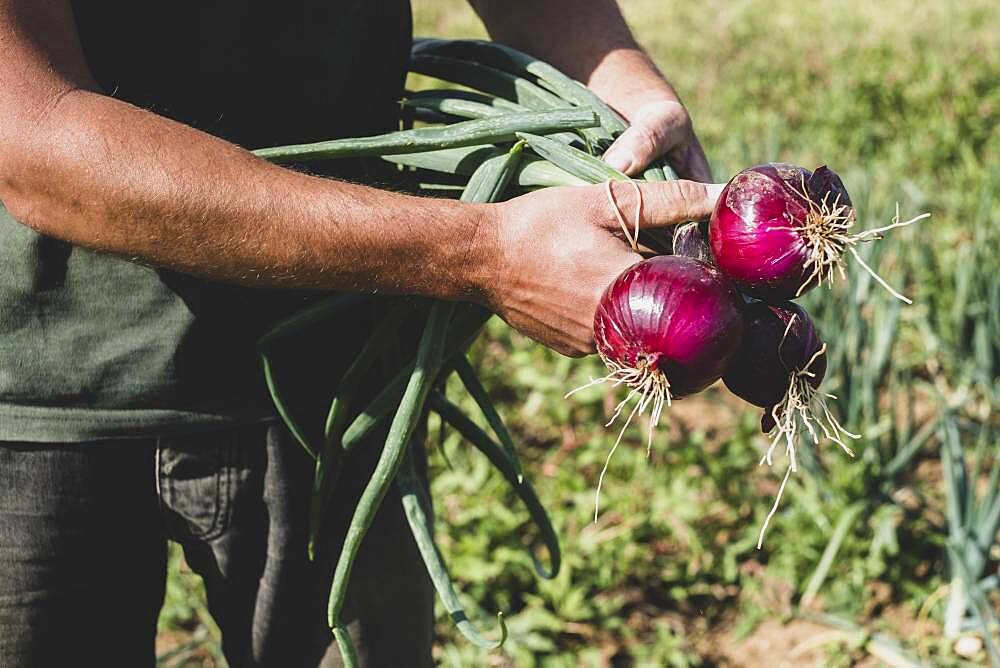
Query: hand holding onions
x,y
670,326
554,265
553,252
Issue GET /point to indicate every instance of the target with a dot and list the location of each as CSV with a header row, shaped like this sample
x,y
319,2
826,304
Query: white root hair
x,y
802,404
827,234
649,386
645,381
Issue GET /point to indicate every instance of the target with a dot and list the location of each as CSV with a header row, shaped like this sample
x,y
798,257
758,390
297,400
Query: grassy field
x,y
903,99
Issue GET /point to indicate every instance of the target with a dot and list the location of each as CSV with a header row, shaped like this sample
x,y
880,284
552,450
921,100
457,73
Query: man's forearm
x,y
601,53
114,178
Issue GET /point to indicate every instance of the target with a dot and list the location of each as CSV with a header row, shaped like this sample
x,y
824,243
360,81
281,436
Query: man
x,y
143,249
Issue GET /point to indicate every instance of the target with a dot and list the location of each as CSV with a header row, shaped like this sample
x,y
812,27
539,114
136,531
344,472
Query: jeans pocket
x,y
202,477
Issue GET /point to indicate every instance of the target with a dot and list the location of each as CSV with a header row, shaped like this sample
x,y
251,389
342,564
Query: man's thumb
x,y
672,202
634,149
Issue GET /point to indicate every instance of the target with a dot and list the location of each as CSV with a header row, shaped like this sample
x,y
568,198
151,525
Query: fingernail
x,y
618,159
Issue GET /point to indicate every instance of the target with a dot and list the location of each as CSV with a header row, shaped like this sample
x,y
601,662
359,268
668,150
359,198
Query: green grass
x,y
903,99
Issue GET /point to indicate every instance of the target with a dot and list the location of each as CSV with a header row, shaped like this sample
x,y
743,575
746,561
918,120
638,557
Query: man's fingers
x,y
656,130
635,148
664,202
660,129
672,202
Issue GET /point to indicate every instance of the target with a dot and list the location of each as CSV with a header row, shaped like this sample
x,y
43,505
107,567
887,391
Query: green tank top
x,y
93,346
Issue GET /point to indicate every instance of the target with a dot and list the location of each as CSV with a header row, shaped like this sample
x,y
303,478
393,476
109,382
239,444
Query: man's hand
x,y
99,173
660,128
559,248
606,57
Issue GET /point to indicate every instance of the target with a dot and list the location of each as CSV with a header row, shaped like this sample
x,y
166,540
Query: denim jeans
x,y
83,531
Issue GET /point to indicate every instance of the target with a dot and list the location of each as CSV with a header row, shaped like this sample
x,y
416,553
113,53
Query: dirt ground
x,y
795,644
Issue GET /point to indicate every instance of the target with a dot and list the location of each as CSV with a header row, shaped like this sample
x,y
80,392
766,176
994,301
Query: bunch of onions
x,y
667,327
778,230
672,325
779,367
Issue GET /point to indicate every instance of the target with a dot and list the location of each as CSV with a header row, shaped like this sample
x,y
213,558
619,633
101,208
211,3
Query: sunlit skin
x,y
81,166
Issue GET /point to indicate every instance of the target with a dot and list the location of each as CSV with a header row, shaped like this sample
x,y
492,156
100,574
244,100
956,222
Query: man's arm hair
x,y
100,173
79,165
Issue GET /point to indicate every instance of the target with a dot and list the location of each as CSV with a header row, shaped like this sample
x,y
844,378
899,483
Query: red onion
x,y
672,318
779,367
666,327
779,341
778,230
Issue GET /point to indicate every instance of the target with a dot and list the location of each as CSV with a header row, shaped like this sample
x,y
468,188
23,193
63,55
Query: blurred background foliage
x,y
903,99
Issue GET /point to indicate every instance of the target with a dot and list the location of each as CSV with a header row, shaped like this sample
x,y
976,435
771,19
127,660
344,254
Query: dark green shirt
x,y
93,346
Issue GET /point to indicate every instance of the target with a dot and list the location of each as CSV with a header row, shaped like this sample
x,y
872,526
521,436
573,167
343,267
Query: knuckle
x,y
646,139
678,113
677,124
683,120
685,199
673,113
